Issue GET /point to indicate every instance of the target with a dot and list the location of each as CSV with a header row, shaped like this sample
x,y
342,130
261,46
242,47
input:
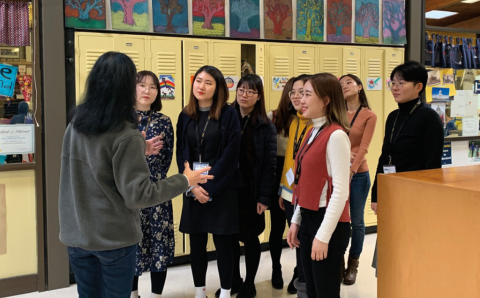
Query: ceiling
x,y
467,14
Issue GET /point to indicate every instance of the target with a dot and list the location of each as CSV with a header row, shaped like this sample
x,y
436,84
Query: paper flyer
x,y
447,154
374,84
167,86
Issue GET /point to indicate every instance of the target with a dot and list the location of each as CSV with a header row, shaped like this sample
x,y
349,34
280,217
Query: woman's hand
x,y
261,208
152,146
292,238
319,250
374,208
195,177
351,175
281,203
352,156
201,194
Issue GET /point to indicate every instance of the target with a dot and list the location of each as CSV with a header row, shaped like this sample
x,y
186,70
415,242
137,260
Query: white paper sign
x,y
374,84
465,103
469,126
17,139
232,82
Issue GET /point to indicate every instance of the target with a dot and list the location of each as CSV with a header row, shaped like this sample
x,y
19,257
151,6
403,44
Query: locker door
x,y
280,65
331,58
260,59
88,48
373,67
132,46
195,55
393,58
304,62
352,61
165,59
227,57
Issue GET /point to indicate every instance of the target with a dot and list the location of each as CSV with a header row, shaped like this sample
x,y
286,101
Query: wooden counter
x,y
429,234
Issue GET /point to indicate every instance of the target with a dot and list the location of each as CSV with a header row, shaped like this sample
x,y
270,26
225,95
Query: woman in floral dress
x,y
156,250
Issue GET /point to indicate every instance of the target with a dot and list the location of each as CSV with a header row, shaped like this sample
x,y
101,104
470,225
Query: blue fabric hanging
x,y
429,50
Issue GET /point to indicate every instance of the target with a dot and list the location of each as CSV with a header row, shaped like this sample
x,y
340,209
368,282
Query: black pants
x,y
199,258
278,219
322,277
252,259
157,279
289,214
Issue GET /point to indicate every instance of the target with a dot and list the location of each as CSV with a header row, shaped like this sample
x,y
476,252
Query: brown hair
x,y
157,104
220,97
326,85
284,116
361,95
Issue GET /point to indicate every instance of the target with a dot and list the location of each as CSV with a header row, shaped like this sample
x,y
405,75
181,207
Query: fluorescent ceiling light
x,y
439,14
470,1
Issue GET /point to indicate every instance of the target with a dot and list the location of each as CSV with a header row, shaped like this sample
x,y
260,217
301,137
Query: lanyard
x,y
392,139
297,143
305,147
246,122
145,129
355,117
200,141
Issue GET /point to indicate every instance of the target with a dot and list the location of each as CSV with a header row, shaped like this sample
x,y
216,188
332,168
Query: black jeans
x,y
322,277
277,219
299,268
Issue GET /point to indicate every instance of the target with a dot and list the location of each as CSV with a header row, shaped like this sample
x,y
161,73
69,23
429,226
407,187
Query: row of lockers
x,y
181,58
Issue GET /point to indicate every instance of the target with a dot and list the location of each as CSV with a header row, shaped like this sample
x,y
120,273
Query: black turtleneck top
x,y
417,145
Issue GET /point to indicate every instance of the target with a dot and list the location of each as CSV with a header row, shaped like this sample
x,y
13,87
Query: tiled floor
x,y
180,282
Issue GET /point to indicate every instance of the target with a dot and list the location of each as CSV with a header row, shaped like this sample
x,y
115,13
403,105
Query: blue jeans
x,y
359,188
102,274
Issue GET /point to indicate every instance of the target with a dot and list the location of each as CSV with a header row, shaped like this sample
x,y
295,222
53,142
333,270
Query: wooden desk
x,y
429,234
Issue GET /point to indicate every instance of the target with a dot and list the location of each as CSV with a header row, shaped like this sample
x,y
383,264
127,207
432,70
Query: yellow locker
x,y
132,46
393,58
227,57
195,55
304,60
260,59
352,61
280,65
88,48
330,60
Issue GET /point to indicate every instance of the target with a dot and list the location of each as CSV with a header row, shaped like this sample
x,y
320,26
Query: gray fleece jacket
x,y
104,181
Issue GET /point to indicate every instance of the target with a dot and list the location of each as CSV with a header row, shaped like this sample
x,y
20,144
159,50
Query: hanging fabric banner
x,y
14,18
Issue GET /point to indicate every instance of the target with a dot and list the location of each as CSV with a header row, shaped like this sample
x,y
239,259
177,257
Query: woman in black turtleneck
x,y
417,139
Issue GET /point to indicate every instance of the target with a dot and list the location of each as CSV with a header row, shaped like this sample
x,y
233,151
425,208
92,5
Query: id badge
x,y
389,169
290,177
200,165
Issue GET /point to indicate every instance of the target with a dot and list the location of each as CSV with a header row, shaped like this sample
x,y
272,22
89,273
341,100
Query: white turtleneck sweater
x,y
338,167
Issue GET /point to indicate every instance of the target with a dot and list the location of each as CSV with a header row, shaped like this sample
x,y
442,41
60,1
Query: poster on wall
x,y
374,84
208,17
7,79
170,16
17,139
447,154
394,23
278,19
310,20
167,86
366,21
245,18
439,107
473,151
129,15
3,220
88,14
339,27
232,82
278,83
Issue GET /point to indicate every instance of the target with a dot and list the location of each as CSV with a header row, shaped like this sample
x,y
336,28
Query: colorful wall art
x,y
339,27
209,17
130,15
89,14
167,86
366,21
310,20
170,16
245,18
394,28
278,19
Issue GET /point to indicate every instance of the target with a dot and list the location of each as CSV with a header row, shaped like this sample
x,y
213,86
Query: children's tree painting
x,y
278,19
245,18
170,16
209,17
366,21
394,28
130,15
85,14
310,20
339,27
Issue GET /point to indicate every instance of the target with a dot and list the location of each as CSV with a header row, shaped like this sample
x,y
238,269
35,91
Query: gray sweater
x,y
104,181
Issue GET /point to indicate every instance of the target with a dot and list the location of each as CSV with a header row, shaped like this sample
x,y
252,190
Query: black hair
x,y
157,103
361,94
254,82
411,71
296,79
109,98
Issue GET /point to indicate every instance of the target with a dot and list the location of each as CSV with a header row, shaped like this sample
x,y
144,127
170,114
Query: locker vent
x,y
331,65
135,56
374,68
304,65
227,64
91,57
166,62
391,65
282,66
195,61
352,66
261,65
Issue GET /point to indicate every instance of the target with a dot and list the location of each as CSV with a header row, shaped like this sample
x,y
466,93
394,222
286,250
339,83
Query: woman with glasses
x,y
362,127
208,134
414,132
156,249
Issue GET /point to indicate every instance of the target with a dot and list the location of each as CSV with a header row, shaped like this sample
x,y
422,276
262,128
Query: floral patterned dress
x,y
156,249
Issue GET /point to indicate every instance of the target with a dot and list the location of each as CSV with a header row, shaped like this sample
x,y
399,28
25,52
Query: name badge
x,y
290,177
390,169
200,165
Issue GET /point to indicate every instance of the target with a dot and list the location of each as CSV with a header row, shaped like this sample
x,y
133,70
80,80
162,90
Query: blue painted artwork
x,y
366,21
170,16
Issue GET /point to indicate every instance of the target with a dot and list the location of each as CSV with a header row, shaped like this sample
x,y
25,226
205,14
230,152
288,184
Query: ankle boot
x,y
351,273
291,288
342,270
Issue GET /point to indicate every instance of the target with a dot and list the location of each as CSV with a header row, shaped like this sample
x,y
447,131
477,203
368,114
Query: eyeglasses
x,y
395,85
144,87
249,93
295,94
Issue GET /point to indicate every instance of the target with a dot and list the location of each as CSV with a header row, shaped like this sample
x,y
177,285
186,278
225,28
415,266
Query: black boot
x,y
291,288
277,279
247,291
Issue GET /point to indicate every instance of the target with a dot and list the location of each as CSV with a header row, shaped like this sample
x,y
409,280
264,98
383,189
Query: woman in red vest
x,y
321,222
